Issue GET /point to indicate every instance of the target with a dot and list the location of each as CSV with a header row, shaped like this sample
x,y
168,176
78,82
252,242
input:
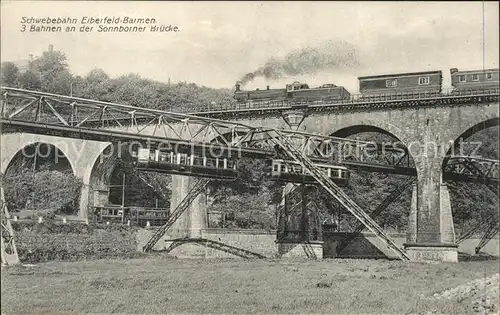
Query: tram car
x,y
185,164
291,171
296,92
474,80
403,85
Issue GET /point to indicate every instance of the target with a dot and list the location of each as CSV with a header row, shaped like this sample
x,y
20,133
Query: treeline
x,y
50,73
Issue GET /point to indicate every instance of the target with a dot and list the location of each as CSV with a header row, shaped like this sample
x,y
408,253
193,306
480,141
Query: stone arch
x,y
384,128
359,128
102,165
30,157
472,129
15,154
12,153
468,189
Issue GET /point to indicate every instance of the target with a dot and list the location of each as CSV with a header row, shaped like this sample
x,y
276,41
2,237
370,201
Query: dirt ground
x,y
159,284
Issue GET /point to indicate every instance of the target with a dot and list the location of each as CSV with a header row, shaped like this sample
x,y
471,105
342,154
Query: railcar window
x,y
475,77
391,83
297,169
489,76
210,162
275,167
198,160
461,78
423,80
283,168
183,159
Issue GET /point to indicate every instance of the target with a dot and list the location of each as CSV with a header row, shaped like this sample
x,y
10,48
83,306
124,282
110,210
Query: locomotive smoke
x,y
328,56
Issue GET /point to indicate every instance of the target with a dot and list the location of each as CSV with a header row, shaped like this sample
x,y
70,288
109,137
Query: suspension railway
x,y
50,114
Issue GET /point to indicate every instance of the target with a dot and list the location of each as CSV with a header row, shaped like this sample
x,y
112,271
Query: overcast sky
x,y
219,42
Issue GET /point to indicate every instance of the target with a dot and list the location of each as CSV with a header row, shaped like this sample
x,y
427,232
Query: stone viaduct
x,y
428,132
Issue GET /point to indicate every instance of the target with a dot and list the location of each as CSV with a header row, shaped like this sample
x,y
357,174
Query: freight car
x,y
474,80
427,83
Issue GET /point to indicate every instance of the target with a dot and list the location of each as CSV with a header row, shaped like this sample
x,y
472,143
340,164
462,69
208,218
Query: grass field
x,y
166,285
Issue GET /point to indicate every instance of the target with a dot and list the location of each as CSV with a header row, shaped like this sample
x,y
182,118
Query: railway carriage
x,y
402,85
474,81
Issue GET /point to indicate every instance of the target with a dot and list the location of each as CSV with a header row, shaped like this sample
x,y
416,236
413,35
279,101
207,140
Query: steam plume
x,y
329,55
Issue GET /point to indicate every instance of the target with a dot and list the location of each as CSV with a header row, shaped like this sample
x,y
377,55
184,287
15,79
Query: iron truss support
x,y
59,115
472,169
198,187
334,191
65,116
393,196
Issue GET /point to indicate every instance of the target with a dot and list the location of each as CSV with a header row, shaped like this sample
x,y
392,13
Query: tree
x,y
50,61
10,74
247,211
45,190
30,80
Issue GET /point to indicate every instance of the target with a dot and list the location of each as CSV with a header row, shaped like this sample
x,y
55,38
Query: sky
x,y
219,42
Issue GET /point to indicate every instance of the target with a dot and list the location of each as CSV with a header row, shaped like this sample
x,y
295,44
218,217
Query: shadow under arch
x,y
480,190
493,122
22,169
395,142
44,152
357,129
102,170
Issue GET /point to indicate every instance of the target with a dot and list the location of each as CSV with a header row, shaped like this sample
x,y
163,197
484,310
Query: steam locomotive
x,y
386,86
296,92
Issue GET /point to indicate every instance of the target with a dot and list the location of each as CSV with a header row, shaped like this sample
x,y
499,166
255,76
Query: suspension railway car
x,y
290,171
185,164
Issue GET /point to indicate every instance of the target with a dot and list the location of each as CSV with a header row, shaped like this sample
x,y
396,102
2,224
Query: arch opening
x,y
473,182
114,181
384,194
40,181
